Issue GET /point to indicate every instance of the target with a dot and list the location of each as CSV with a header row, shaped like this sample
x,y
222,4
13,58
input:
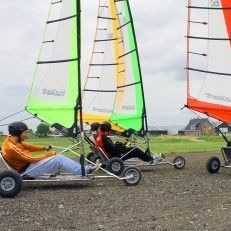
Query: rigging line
x,y
9,116
61,19
28,118
209,72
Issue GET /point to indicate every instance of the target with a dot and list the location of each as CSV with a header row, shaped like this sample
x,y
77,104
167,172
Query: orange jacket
x,y
18,155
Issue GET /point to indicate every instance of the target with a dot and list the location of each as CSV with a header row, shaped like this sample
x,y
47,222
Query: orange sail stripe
x,y
222,113
227,15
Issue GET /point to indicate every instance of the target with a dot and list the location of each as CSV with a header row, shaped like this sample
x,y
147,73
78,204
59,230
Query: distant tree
x,y
43,130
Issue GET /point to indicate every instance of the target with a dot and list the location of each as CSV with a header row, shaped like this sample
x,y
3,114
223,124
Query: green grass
x,y
164,144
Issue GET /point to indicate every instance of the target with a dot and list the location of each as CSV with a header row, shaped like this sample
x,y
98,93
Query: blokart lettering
x,y
218,97
54,92
102,110
214,3
128,107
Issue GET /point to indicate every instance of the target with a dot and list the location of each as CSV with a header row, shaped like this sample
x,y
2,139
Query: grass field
x,y
164,144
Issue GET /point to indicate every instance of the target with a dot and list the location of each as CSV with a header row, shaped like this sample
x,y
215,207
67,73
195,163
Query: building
x,y
198,127
224,128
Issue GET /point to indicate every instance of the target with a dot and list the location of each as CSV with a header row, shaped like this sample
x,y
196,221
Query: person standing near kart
x,y
123,151
18,155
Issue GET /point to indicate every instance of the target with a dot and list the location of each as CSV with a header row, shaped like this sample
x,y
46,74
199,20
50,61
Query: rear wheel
x,y
132,175
10,184
213,165
115,165
179,162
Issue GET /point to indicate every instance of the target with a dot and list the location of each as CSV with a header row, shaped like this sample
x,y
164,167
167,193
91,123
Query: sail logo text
x,y
103,110
218,97
214,3
54,92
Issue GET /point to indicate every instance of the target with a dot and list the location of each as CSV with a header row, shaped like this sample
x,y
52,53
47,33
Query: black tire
x,y
213,165
115,165
90,156
136,176
101,160
10,184
179,162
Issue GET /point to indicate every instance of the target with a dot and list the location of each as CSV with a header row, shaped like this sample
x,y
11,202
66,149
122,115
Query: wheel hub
x,y
7,184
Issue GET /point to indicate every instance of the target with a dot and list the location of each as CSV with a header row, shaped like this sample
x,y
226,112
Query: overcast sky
x,y
160,28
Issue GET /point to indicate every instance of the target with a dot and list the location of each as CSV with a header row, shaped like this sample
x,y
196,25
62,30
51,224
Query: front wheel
x,y
179,162
132,176
10,184
213,165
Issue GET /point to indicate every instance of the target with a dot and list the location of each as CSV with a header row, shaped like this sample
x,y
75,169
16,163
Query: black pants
x,y
133,153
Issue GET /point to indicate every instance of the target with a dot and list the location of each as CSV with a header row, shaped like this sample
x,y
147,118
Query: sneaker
x,y
95,168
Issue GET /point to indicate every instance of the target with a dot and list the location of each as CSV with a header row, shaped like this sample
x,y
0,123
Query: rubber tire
x,y
210,165
176,160
16,178
101,160
90,156
111,162
128,171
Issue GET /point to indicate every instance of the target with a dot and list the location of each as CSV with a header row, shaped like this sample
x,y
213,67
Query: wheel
x,y
115,165
133,176
90,156
213,165
10,184
179,162
101,160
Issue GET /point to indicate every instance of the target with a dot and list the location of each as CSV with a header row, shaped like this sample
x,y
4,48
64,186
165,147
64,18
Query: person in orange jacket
x,y
19,155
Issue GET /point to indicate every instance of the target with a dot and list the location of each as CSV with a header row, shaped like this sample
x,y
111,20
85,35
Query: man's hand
x,y
51,153
48,148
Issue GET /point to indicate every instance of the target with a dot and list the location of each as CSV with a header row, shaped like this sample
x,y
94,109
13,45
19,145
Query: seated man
x,y
94,131
117,150
18,155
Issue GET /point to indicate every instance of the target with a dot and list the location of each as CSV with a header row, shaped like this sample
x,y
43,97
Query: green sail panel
x,y
54,91
113,90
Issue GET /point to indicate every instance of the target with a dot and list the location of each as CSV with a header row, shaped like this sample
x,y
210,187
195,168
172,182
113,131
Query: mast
x,y
78,108
145,122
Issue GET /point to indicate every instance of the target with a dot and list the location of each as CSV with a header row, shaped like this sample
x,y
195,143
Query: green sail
x,y
54,92
113,90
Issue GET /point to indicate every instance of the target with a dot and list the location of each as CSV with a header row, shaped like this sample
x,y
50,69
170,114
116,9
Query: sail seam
x,y
56,2
61,19
48,41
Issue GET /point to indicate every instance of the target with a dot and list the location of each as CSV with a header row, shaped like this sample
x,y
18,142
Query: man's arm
x,y
26,155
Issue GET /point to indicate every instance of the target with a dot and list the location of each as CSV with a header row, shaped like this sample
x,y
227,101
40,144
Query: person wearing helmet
x,y
19,155
117,150
94,131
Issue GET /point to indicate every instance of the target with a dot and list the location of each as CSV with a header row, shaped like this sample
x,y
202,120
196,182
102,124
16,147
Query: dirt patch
x,y
166,199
